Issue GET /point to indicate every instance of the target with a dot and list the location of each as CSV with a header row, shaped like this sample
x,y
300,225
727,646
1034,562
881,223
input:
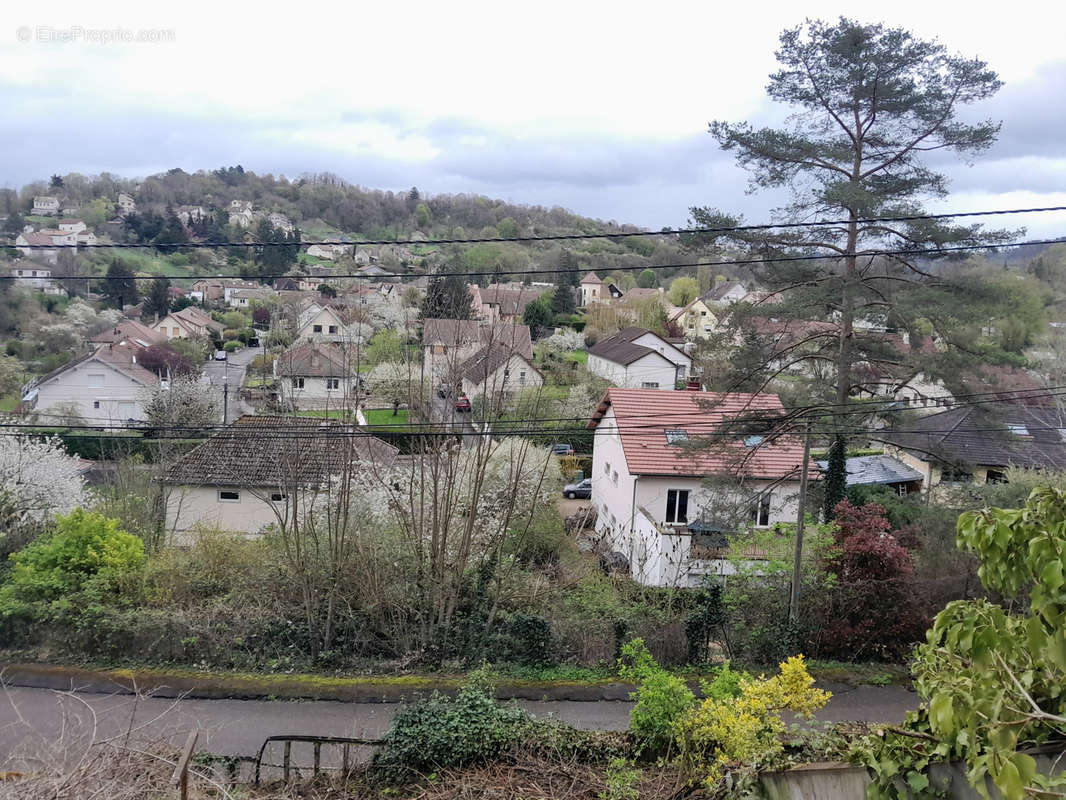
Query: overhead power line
x,y
573,236
337,428
908,251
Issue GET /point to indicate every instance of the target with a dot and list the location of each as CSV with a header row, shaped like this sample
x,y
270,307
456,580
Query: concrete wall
x,y
316,392
666,350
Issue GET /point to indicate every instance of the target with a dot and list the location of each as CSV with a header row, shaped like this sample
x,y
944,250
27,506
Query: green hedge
x,y
114,446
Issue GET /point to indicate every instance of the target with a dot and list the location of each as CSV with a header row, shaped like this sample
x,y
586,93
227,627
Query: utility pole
x,y
793,604
225,396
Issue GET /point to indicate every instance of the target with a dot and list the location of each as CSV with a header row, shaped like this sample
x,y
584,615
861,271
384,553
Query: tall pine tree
x,y
873,101
157,298
119,287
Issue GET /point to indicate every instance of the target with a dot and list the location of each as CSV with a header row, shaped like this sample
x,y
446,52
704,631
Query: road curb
x,y
160,683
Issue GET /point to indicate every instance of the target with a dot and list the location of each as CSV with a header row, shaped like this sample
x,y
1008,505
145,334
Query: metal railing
x,y
345,743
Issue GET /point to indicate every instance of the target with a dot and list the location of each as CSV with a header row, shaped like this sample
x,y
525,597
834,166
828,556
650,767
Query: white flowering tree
x,y
185,402
398,383
460,507
565,341
38,481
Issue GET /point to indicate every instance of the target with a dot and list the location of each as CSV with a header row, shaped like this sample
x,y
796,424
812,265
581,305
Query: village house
x,y
244,477
506,302
327,323
71,225
126,204
45,206
33,275
241,214
330,252
281,222
45,244
726,293
696,320
314,375
880,470
190,214
592,289
495,369
244,298
978,443
636,358
103,387
187,322
447,344
653,455
128,333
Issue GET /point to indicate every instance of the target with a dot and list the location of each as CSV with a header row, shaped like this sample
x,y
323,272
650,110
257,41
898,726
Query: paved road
x,y
31,718
231,372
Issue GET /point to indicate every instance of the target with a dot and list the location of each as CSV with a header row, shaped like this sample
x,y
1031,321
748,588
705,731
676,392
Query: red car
x,y
462,405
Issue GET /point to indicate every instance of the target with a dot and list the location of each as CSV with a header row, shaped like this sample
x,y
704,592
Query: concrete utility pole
x,y
225,395
793,604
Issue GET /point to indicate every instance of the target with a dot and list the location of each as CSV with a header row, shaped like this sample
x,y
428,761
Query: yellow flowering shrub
x,y
742,731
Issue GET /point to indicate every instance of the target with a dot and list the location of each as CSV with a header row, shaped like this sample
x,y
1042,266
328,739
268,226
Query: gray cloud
x,y
646,181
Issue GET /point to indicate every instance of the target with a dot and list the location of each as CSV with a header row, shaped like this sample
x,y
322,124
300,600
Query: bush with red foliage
x,y
159,357
871,611
261,315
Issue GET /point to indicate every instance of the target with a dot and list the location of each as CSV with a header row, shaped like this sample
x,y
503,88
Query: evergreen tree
x,y
447,298
563,301
14,223
874,101
157,298
836,477
538,316
118,287
647,279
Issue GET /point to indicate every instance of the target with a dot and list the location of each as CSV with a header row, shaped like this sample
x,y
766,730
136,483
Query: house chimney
x,y
692,384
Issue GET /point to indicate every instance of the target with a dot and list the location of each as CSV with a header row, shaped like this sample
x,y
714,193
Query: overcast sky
x,y
598,107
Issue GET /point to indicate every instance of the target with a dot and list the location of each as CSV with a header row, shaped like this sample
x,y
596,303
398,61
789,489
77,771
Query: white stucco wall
x,y
667,350
326,319
189,506
652,368
100,393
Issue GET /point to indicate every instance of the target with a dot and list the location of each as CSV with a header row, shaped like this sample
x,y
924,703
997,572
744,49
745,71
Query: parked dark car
x,y
561,449
576,490
462,405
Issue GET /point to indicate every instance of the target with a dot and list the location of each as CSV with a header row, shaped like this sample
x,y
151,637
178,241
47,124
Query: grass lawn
x,y
382,417
8,402
333,413
580,356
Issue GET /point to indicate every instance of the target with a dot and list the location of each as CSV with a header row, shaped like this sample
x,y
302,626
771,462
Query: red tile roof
x,y
644,415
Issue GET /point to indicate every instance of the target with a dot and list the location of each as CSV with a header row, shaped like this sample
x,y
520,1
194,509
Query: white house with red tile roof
x,y
653,451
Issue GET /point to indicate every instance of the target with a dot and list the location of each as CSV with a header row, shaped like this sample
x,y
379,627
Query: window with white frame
x,y
333,383
649,385
677,506
760,511
277,497
316,328
297,383
332,328
228,496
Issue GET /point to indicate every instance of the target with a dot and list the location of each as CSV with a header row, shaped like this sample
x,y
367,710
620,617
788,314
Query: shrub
x,y
84,548
231,347
746,730
662,698
528,639
439,732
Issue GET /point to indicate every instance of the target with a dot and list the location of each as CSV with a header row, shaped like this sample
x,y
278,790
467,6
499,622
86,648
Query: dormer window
x,y
676,435
1018,430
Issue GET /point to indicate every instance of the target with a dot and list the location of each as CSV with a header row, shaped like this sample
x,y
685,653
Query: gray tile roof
x,y
998,434
277,452
876,470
